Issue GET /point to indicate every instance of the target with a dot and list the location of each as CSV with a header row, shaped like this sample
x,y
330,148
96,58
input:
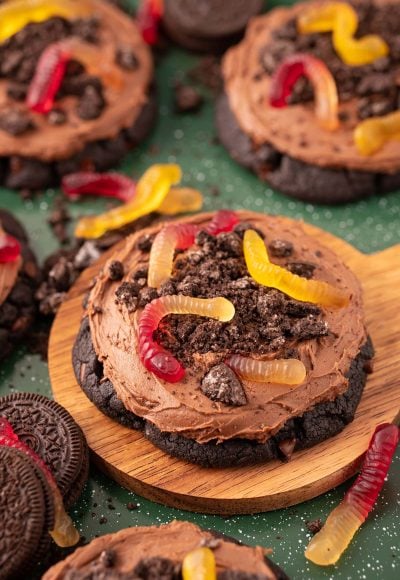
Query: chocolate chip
x,y
116,270
91,104
304,269
127,295
222,385
57,117
15,122
280,248
126,58
187,99
286,447
314,526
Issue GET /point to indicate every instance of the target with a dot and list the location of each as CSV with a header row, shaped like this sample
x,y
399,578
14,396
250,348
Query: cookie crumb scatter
x,y
280,248
187,99
314,526
131,506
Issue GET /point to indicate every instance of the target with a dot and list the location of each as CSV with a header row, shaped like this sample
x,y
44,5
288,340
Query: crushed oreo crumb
x,y
280,248
304,269
187,99
127,294
91,104
126,58
221,384
15,122
116,270
314,526
156,569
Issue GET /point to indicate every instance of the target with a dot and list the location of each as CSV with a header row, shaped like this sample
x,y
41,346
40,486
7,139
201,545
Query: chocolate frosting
x,y
182,407
172,541
294,130
8,277
49,142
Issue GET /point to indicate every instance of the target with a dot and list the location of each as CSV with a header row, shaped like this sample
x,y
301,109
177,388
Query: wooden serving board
x,y
135,463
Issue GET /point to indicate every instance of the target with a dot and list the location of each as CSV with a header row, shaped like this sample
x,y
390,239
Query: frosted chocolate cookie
x,y
63,109
314,113
214,363
165,552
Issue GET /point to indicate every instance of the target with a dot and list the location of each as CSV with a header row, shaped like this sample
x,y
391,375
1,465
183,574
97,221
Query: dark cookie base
x,y
178,26
320,423
18,311
303,181
32,174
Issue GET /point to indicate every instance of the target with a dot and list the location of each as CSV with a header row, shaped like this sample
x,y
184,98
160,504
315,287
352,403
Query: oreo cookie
x,y
48,429
18,311
210,25
27,514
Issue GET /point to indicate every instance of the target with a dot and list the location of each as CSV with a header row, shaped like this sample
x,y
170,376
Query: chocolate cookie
x,y
304,181
208,26
18,311
157,552
53,434
288,147
323,421
27,514
95,120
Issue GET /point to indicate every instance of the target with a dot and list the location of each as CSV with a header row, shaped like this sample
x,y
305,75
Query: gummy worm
x,y
15,14
64,532
341,19
325,91
327,546
151,190
199,564
181,200
273,276
372,134
283,371
156,358
148,18
103,184
52,65
181,237
10,248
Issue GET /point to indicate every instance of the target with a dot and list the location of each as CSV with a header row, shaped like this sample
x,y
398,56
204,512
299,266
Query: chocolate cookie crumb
x,y
187,99
126,58
280,248
131,506
222,385
314,526
15,122
58,219
304,269
116,270
127,295
91,104
145,242
57,117
155,569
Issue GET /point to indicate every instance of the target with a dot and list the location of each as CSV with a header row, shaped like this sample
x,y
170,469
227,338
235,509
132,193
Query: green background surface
x,y
370,225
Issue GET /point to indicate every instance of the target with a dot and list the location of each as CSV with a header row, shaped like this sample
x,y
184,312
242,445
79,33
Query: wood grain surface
x,y
135,463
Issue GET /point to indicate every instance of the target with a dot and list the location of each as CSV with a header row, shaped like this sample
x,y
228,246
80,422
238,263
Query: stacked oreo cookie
x,y
26,498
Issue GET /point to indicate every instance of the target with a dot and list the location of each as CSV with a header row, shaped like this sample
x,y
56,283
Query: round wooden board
x,y
135,463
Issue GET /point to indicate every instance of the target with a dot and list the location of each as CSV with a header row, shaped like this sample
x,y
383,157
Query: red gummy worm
x,y
223,221
284,80
365,490
148,18
10,248
102,184
155,358
47,79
